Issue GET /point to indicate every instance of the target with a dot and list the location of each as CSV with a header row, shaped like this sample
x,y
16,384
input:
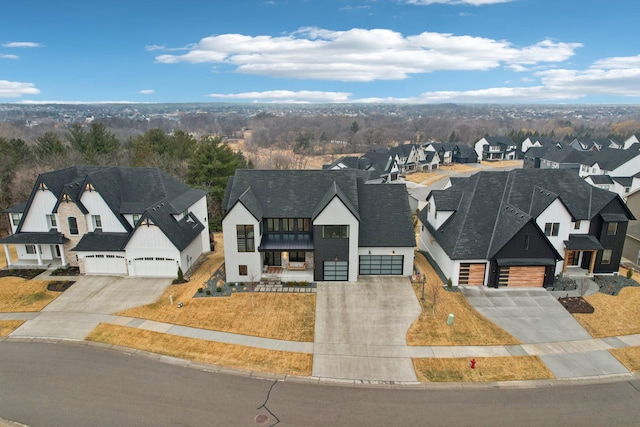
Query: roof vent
x,y
162,204
548,194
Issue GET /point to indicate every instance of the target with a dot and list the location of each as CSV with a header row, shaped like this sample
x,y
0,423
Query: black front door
x,y
273,258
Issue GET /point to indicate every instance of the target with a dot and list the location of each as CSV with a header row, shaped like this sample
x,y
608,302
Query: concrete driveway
x,y
536,318
89,302
361,329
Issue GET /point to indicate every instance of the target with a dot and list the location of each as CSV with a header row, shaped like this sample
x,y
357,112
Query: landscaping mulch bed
x,y
611,285
69,271
60,285
22,273
576,305
564,284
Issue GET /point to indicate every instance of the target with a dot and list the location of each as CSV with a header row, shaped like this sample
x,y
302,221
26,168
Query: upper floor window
x,y
135,218
245,238
527,240
335,231
73,225
51,221
606,256
97,221
551,228
185,213
15,219
576,225
612,228
288,224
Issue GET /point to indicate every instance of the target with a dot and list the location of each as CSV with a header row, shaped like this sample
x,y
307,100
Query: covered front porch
x,y
35,250
287,257
580,255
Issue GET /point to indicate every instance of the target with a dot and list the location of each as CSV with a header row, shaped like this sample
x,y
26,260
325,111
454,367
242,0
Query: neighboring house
x,y
408,157
538,141
464,154
496,148
314,225
612,162
622,186
381,164
533,156
633,139
431,161
445,151
632,241
110,220
564,158
523,227
595,144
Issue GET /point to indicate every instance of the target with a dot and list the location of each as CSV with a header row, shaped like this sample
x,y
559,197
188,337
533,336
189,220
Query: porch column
x,y
7,254
62,256
566,259
38,254
592,264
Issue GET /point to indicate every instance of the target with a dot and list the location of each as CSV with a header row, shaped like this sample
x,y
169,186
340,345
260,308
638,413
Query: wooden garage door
x,y
522,276
471,274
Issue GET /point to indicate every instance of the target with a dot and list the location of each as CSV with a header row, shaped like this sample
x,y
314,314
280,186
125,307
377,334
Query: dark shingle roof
x,y
601,179
565,155
385,216
20,208
49,237
610,158
383,210
491,207
98,241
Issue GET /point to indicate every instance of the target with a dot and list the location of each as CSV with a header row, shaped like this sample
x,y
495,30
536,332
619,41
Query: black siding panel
x,y
539,247
598,228
327,250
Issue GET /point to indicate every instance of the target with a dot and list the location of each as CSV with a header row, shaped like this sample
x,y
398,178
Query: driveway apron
x,y
87,303
536,318
361,328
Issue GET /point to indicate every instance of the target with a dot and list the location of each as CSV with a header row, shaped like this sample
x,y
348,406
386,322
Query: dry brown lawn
x,y
502,163
469,327
203,351
424,178
487,369
281,316
8,326
628,356
459,167
613,315
18,294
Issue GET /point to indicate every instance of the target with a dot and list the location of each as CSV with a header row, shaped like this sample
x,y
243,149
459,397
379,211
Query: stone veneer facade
x,y
66,210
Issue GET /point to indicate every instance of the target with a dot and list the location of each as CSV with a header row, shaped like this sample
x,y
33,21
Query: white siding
x,y
149,241
36,218
556,212
478,147
429,244
239,215
455,276
95,204
407,268
190,254
336,213
434,217
199,209
629,168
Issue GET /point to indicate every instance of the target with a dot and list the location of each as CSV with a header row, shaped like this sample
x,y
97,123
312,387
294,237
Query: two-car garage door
x,y
155,267
521,276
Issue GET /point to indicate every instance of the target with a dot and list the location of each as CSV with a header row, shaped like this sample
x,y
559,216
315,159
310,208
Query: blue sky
x,y
319,51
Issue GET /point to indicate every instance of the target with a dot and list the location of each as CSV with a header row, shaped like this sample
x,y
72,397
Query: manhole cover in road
x,y
261,418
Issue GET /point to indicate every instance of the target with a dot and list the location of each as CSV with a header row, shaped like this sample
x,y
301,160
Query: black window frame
x,y
611,225
297,256
551,229
245,235
335,231
72,221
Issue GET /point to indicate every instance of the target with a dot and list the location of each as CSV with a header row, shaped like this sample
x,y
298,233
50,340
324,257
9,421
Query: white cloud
x,y
146,91
22,44
456,2
364,55
303,96
618,62
15,89
7,56
153,47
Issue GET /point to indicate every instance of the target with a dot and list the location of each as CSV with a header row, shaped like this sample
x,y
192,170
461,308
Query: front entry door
x,y
273,259
56,250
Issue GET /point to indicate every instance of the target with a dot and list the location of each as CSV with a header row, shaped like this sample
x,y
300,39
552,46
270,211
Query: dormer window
x,y
15,219
51,221
136,218
185,213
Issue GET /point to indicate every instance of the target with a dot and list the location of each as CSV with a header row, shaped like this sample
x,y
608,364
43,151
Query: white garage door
x,y
105,264
155,267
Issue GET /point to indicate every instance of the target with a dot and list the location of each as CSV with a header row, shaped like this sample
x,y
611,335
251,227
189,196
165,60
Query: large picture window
x,y
606,256
297,256
335,231
245,238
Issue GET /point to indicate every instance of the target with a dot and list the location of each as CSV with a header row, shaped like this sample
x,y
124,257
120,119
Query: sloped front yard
x,y
468,328
613,315
268,315
17,294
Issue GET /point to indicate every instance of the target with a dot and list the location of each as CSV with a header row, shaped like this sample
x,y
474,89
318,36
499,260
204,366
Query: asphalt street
x,y
47,384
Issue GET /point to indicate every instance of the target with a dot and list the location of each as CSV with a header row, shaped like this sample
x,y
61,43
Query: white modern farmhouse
x,y
315,225
110,220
